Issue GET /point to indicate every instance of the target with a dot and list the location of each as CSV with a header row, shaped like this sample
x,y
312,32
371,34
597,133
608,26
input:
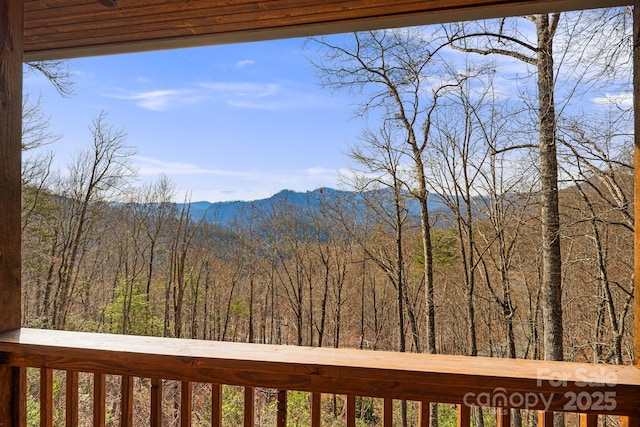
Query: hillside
x,y
226,213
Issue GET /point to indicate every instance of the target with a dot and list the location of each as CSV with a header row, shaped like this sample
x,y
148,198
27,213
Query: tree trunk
x,y
551,257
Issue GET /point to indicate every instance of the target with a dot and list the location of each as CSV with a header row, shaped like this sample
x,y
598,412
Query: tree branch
x,y
489,51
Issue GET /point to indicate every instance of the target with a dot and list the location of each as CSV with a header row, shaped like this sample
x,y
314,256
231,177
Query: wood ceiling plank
x,y
245,16
63,28
154,23
156,13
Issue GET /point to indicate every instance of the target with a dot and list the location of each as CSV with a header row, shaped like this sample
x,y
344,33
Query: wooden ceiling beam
x,y
56,29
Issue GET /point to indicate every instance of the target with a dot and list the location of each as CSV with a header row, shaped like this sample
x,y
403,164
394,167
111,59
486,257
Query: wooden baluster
x,y
186,403
126,403
464,416
503,417
282,409
216,405
423,413
588,420
19,391
629,421
351,411
72,399
99,399
46,397
316,409
387,413
545,418
249,402
156,402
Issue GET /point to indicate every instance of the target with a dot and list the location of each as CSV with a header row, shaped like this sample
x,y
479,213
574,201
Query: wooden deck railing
x,y
465,381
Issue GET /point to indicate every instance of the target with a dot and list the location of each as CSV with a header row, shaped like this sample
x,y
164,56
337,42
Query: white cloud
x,y
266,106
244,63
322,173
160,100
203,183
268,96
244,89
150,166
624,99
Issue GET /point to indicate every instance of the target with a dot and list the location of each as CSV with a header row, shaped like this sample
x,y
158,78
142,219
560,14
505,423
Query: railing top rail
x,y
440,378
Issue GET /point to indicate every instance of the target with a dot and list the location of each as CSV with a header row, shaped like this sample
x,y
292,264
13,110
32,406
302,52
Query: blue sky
x,y
242,121
234,122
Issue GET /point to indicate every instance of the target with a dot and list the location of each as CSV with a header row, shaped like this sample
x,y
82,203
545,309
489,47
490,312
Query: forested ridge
x,y
364,268
288,275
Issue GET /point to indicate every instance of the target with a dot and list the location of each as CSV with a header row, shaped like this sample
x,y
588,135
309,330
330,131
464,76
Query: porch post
x,y
11,55
636,182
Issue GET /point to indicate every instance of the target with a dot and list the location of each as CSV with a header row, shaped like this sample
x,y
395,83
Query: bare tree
x,y
601,170
57,72
399,71
392,68
176,286
36,168
456,157
98,174
156,208
381,184
531,40
291,240
508,37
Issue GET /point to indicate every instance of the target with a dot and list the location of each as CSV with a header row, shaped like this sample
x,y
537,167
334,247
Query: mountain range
x,y
226,213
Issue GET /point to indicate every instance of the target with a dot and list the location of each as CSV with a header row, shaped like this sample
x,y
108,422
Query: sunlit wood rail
x,y
500,383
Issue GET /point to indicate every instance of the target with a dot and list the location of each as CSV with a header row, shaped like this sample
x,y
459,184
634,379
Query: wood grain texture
x,y
387,413
156,403
316,409
71,399
56,29
99,399
438,378
126,401
10,161
186,403
423,413
216,405
629,421
545,419
503,417
46,397
19,396
281,416
11,55
351,410
464,416
588,420
249,406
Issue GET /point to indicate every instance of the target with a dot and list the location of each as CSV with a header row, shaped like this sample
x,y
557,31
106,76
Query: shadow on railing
x,y
503,384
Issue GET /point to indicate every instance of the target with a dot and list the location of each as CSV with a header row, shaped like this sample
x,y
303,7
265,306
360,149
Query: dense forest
x,y
360,268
